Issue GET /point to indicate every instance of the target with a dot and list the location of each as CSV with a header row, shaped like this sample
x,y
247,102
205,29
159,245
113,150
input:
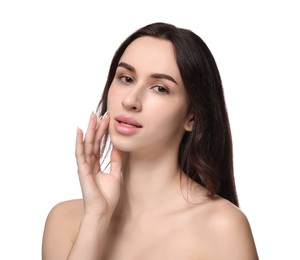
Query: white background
x,y
54,59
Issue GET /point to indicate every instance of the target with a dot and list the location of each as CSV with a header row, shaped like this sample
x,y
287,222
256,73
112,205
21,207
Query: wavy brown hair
x,y
205,153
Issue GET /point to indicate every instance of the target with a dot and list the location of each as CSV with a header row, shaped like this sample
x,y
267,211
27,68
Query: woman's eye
x,y
160,89
126,79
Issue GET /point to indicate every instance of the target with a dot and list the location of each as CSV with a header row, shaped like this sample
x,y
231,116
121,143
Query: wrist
x,y
95,221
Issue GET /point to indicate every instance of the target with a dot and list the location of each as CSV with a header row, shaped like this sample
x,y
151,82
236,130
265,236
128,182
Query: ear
x,y
188,126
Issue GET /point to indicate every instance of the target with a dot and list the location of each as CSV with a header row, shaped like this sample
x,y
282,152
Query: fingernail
x,y
101,118
92,114
98,113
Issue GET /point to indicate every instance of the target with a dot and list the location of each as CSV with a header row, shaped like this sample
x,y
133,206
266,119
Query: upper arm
x,y
233,237
61,229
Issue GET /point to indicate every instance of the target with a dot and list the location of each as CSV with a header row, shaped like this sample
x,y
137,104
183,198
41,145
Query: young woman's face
x,y
147,101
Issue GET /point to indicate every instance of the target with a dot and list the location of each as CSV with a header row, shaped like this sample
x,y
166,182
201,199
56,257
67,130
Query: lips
x,y
127,126
128,121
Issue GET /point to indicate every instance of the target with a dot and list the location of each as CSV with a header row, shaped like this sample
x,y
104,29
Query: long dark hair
x,y
205,153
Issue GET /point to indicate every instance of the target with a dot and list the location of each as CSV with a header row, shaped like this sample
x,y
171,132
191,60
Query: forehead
x,y
152,55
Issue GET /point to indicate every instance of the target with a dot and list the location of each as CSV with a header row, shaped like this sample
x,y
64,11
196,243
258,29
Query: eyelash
x,y
159,88
126,79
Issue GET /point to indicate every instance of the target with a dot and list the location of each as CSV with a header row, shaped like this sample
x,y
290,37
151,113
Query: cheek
x,y
112,98
170,116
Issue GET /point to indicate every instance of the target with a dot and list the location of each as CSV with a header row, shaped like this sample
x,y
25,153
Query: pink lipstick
x,y
126,125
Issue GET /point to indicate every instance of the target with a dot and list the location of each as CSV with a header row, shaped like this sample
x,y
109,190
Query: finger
x,y
102,128
79,149
90,135
116,163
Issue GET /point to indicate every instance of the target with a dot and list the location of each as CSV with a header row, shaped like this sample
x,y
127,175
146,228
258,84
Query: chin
x,y
121,143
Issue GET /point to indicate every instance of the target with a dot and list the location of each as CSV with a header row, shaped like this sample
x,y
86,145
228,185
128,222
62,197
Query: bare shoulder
x,y
61,228
224,213
227,231
67,210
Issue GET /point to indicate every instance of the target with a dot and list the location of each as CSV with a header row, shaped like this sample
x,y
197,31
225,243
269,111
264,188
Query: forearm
x,y
89,242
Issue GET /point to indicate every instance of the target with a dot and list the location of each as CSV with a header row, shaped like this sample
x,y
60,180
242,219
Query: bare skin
x,y
176,229
145,208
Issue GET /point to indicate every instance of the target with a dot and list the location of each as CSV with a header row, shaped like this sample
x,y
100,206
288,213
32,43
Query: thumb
x,y
116,163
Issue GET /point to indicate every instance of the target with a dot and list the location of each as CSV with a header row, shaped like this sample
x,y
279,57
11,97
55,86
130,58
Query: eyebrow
x,y
154,75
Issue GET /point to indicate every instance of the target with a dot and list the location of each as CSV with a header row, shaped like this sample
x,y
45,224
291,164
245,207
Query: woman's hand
x,y
101,191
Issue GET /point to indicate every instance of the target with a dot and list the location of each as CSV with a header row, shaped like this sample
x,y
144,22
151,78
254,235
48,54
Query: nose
x,y
132,100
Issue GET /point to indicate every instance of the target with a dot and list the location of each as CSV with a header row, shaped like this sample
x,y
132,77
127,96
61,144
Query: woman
x,y
170,192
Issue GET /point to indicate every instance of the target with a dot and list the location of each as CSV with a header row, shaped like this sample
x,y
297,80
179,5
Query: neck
x,y
149,186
